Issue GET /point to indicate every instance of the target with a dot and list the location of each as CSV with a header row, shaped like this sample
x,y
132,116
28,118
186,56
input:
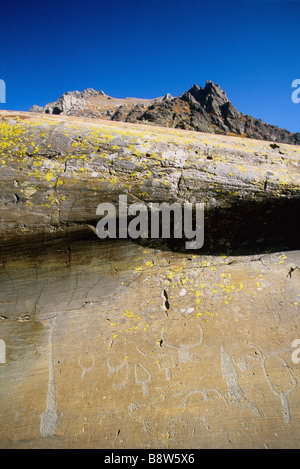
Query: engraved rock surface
x,y
136,344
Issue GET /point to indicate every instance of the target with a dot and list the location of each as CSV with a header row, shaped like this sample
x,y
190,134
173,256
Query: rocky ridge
x,y
123,343
202,109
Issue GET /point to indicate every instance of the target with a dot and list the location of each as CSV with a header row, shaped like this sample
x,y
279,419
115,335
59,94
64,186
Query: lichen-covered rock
x,y
250,188
122,343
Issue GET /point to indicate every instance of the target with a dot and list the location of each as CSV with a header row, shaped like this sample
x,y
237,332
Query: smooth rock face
x,y
135,344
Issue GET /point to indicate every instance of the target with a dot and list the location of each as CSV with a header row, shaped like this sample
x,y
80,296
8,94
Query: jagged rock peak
x,y
202,95
210,85
167,97
215,90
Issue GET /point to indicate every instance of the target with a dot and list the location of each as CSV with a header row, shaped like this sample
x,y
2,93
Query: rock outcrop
x,y
202,109
139,343
70,103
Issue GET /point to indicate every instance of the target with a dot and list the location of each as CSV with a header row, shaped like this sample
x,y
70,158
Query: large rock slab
x,y
134,344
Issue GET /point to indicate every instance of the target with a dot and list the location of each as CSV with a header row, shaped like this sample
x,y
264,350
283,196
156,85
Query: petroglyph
x,y
184,350
166,362
235,394
143,377
2,352
230,375
85,360
205,395
117,371
49,419
273,362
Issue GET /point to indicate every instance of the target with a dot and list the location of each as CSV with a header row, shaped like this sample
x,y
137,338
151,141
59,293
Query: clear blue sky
x,y
146,48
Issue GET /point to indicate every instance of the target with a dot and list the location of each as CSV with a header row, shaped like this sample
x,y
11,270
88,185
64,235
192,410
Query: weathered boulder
x,y
123,343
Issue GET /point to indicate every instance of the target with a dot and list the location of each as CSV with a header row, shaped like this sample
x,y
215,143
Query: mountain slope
x,y
202,109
